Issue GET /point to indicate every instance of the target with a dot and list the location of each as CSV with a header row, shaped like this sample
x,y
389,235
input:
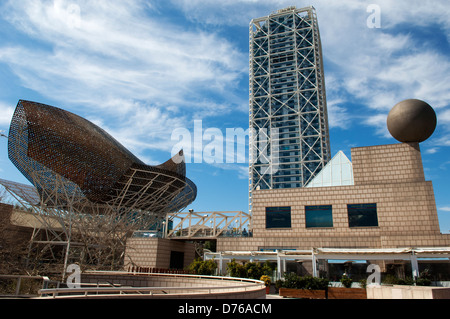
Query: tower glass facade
x,y
289,139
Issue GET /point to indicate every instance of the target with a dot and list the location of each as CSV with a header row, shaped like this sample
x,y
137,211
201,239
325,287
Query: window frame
x,y
287,216
352,215
308,209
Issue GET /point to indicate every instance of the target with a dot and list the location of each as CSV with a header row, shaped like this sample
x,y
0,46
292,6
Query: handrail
x,y
154,274
45,281
111,291
148,290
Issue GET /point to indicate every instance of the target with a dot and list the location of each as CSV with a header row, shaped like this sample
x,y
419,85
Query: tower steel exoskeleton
x,y
289,142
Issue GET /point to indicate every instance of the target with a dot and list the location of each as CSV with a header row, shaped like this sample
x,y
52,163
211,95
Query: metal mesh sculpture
x,y
47,138
88,180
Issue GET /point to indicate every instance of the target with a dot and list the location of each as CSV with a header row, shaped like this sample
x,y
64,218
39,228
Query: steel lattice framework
x,y
86,181
190,225
288,112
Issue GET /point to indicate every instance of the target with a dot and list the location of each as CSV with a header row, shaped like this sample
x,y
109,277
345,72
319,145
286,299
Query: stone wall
x,y
407,292
156,252
179,281
385,164
391,176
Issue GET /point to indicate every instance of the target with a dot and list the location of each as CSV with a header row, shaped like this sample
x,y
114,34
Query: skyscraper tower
x,y
289,135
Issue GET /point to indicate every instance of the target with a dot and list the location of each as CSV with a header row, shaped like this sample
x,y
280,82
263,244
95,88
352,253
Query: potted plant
x,y
346,281
267,281
303,287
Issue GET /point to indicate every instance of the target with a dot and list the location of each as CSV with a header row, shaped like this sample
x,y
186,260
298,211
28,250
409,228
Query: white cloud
x,y
241,170
6,113
121,62
432,150
338,115
379,122
116,50
376,68
444,116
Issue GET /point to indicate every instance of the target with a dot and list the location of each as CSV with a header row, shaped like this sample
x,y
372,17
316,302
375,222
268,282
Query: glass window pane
x,y
362,215
278,217
318,216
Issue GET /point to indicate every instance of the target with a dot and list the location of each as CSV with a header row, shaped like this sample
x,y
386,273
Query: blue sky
x,y
140,69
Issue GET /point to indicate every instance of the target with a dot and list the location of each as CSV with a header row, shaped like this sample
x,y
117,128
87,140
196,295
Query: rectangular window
x,y
318,216
362,215
278,217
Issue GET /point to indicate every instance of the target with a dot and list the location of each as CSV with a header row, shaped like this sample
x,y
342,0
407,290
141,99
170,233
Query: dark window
x,y
362,215
278,217
318,216
176,260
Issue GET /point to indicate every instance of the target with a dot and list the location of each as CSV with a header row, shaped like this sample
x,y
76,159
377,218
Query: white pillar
x,y
414,266
278,267
220,264
314,264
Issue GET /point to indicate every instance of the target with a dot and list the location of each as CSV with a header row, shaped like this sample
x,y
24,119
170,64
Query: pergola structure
x,y
316,254
208,225
88,190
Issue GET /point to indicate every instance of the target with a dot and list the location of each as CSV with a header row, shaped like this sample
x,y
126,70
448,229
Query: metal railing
x,y
19,281
114,292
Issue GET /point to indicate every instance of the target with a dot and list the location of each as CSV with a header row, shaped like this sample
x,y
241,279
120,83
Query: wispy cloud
x,y
139,73
116,46
375,68
120,60
6,113
241,170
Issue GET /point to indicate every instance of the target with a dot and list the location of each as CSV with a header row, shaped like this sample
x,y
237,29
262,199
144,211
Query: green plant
x,y
346,281
405,281
393,280
363,283
249,270
253,270
236,270
203,267
318,283
292,280
424,278
267,269
423,282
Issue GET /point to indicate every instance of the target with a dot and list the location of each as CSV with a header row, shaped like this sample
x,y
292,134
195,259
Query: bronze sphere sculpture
x,y
411,121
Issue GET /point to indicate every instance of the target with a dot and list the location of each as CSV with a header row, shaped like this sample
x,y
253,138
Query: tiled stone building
x,y
158,253
389,205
